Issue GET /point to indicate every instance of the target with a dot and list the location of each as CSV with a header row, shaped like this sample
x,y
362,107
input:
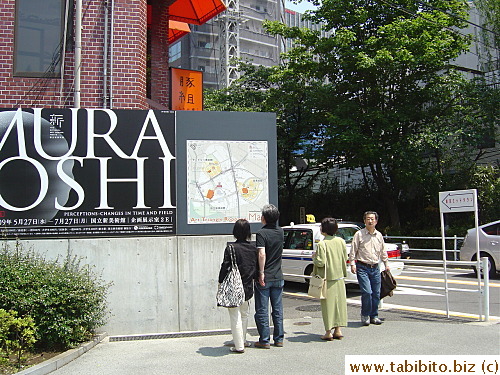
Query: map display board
x,y
226,180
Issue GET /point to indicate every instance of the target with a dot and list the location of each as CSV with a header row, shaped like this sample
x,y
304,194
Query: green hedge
x,y
67,300
17,336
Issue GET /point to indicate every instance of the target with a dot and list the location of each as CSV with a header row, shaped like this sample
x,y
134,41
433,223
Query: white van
x,y
301,240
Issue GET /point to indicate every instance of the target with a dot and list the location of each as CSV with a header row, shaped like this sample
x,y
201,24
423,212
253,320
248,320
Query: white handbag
x,y
317,285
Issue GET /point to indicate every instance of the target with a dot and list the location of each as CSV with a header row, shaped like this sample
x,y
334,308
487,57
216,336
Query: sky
x,y
301,7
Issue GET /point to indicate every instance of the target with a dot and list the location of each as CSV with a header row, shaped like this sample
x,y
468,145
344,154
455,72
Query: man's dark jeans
x,y
272,291
369,284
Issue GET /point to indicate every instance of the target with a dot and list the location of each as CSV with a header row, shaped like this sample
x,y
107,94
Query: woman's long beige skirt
x,y
334,307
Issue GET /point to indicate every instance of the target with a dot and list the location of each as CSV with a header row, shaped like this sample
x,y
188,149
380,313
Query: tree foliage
x,y
297,101
377,92
490,35
384,63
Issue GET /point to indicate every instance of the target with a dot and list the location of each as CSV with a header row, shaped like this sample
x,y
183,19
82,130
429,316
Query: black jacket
x,y
246,259
387,284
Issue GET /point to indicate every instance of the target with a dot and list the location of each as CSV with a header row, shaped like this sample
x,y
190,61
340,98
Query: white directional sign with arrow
x,y
457,201
451,202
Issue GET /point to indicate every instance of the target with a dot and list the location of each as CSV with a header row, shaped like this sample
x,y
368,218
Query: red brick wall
x,y
129,54
129,62
159,53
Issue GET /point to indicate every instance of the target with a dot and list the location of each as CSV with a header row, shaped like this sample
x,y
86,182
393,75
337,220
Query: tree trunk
x,y
391,206
388,195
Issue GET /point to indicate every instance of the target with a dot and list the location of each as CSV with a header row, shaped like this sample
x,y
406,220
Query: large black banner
x,y
87,172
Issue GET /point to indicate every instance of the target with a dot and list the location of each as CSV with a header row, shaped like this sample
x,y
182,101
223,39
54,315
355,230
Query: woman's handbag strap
x,y
233,255
315,269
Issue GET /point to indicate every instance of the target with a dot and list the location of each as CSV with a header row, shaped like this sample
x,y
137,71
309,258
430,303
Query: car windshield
x,y
298,239
346,233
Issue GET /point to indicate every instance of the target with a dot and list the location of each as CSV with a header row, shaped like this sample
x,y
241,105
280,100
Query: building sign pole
x,y
478,263
443,242
460,201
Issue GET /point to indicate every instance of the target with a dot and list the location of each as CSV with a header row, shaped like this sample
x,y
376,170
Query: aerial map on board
x,y
226,181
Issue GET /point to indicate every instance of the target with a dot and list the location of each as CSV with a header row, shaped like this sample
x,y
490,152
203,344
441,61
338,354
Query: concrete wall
x,y
160,284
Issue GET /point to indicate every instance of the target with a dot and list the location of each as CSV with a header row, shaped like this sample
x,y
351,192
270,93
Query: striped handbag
x,y
231,292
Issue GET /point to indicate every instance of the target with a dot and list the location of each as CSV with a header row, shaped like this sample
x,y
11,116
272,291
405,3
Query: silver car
x,y
489,246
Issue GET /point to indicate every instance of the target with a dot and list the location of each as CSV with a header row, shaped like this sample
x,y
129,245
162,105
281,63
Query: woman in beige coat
x,y
331,254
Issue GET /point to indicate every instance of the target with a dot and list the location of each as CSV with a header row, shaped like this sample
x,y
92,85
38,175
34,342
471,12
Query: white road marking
x,y
435,271
388,306
433,280
415,292
408,289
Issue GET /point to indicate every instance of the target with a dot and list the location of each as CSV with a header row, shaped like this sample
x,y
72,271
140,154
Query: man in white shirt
x,y
368,248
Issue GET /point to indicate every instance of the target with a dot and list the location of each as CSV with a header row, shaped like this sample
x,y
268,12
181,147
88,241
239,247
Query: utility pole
x,y
230,22
78,51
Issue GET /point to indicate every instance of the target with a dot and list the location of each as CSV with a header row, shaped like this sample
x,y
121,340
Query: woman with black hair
x,y
246,259
330,263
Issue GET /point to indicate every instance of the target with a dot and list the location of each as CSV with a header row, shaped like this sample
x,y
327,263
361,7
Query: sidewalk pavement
x,y
303,352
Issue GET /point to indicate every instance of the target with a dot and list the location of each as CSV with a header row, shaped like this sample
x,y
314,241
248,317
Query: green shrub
x,y
67,300
17,336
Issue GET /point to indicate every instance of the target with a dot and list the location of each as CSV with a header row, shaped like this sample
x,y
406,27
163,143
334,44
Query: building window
x,y
38,37
204,44
174,52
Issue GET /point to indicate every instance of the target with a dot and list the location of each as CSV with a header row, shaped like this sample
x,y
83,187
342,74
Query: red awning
x,y
196,12
177,30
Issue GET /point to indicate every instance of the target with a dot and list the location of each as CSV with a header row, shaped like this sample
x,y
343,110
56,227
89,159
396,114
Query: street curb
x,y
62,359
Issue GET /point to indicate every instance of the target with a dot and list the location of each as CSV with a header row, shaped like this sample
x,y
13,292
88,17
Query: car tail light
x,y
394,253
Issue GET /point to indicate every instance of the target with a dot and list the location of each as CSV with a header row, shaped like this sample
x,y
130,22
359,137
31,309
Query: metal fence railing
x,y
482,287
411,241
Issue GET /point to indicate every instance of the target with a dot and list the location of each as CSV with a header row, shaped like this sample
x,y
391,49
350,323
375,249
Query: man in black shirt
x,y
269,286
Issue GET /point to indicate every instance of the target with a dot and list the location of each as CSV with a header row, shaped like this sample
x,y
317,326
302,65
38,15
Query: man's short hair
x,y
329,226
241,230
370,213
270,213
